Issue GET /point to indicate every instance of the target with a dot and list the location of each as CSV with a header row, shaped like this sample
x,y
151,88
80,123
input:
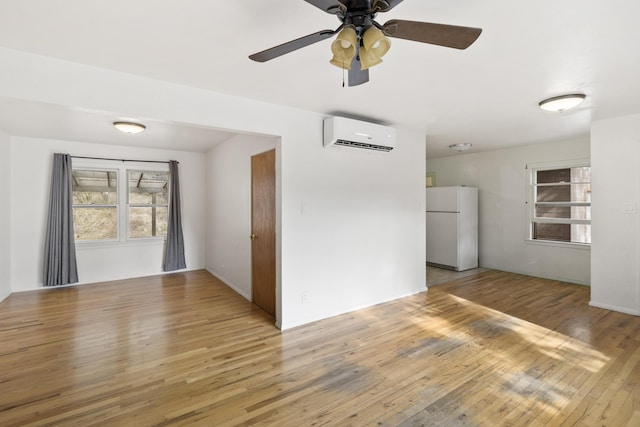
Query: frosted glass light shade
x,y
562,103
368,59
129,127
341,63
374,46
375,42
344,48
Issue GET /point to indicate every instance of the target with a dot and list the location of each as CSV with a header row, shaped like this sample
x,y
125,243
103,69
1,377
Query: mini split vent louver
x,y
356,134
364,145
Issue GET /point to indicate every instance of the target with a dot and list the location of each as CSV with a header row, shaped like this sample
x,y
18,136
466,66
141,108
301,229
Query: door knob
x,y
252,237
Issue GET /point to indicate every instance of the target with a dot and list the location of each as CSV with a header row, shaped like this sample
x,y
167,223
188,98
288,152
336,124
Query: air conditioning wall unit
x,y
340,131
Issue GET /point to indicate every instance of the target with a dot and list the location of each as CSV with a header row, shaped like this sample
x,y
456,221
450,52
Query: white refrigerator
x,y
452,227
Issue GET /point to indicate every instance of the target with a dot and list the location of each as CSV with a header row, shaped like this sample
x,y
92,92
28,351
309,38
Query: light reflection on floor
x,y
537,367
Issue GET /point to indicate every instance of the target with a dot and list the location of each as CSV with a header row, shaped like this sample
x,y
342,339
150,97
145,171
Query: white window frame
x,y
533,168
122,209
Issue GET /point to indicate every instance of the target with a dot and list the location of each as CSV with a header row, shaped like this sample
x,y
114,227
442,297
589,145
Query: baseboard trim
x,y
541,276
230,284
301,322
116,279
614,308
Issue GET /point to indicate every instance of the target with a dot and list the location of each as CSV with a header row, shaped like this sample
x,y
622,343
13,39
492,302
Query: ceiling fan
x,y
361,42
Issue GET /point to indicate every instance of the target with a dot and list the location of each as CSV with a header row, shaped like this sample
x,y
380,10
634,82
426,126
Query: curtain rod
x,y
120,160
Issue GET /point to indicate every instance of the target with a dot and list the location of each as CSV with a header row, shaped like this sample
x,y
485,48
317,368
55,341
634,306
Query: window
x,y
148,203
114,204
95,204
560,207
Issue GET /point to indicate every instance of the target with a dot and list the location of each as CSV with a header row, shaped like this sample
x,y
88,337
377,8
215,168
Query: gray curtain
x,y
174,253
60,266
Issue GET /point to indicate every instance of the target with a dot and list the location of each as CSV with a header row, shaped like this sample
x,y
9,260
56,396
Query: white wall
x,y
615,261
31,161
352,224
355,225
228,209
502,181
5,217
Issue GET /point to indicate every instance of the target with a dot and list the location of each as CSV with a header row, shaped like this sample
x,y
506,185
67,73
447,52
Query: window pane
x,y
147,222
558,232
148,187
95,223
564,193
553,193
581,193
553,175
162,198
581,233
574,212
94,198
565,175
91,187
553,212
582,174
574,233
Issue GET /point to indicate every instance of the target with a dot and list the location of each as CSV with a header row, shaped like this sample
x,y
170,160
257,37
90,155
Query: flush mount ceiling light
x,y
561,103
460,147
129,127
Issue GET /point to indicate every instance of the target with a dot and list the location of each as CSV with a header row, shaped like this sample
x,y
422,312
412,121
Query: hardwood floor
x,y
488,349
438,276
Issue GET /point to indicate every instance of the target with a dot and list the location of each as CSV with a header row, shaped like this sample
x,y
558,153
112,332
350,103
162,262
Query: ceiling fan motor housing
x,y
361,5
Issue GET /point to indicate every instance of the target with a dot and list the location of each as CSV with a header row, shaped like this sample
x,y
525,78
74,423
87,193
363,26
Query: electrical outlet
x,y
629,208
305,296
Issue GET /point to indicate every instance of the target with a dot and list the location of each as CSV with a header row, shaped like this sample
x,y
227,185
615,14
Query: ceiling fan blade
x,y
357,75
287,47
438,34
329,6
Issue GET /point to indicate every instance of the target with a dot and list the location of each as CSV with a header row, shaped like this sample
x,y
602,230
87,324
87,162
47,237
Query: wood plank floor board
x,y
489,348
634,420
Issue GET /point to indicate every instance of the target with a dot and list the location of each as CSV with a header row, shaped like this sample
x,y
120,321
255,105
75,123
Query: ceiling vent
x,y
357,134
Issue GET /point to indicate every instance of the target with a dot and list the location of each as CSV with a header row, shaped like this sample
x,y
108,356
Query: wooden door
x,y
263,230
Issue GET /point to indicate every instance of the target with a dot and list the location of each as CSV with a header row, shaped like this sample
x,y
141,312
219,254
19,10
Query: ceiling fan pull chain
x,y
342,72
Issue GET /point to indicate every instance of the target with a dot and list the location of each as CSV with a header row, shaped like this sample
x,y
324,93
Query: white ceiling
x,y
486,95
40,120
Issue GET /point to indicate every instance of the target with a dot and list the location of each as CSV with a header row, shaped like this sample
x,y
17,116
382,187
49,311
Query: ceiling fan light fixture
x,y
359,30
129,127
374,46
461,147
368,59
375,42
341,63
344,48
562,103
